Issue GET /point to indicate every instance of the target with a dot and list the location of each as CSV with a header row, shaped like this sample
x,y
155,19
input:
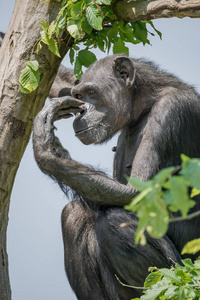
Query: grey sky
x,y
35,245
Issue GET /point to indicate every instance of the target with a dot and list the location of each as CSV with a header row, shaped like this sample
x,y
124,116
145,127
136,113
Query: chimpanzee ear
x,y
124,70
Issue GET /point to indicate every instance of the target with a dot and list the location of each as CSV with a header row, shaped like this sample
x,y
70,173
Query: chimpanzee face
x,y
108,102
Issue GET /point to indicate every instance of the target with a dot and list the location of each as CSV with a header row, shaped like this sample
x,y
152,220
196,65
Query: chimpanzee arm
x,y
63,82
92,185
55,161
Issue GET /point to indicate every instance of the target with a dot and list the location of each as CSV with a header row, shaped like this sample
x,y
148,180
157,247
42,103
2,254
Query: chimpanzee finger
x,y
65,113
67,101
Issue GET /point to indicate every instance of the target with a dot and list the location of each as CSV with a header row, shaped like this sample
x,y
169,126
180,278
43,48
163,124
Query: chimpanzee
x,y
158,117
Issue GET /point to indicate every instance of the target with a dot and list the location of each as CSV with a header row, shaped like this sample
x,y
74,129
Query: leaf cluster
x,y
164,195
93,24
180,282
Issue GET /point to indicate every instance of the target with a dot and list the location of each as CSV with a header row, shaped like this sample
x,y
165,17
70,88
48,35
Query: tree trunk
x,y
17,110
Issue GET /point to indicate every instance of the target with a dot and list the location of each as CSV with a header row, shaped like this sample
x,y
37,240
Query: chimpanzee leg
x,y
87,272
130,262
97,249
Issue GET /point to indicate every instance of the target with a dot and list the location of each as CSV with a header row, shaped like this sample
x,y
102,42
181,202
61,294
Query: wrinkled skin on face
x,y
108,103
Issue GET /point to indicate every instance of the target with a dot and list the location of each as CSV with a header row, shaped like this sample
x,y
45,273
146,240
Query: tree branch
x,y
130,10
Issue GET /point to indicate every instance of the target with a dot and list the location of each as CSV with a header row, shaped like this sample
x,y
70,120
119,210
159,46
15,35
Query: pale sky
x,y
35,245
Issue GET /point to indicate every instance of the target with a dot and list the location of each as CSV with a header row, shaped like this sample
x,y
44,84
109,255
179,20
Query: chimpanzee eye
x,y
78,96
91,91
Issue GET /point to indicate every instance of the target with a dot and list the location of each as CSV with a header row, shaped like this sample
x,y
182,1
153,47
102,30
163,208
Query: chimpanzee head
x,y
107,89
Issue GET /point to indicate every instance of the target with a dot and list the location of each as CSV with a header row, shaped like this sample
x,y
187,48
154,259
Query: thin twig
x,y
130,286
99,8
188,217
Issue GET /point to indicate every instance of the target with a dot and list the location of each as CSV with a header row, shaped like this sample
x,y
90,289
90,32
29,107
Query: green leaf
x,y
86,57
39,47
23,90
76,10
94,17
52,28
185,277
29,77
137,199
179,191
44,25
157,31
194,192
191,171
163,175
73,28
112,33
108,13
154,292
77,68
106,2
158,218
86,26
153,216
188,264
101,42
71,55
61,24
171,275
53,46
44,37
138,184
191,247
34,65
119,47
140,31
152,278
76,47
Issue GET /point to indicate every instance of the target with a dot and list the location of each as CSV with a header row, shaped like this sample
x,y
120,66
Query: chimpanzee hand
x,y
58,108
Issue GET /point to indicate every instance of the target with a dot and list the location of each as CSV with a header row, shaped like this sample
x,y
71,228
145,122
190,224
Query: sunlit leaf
x,y
73,28
52,28
170,274
39,47
34,65
194,192
152,278
44,25
29,77
94,17
191,247
53,46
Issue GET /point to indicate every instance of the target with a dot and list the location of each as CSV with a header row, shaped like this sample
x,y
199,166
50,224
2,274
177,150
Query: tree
x,y
18,110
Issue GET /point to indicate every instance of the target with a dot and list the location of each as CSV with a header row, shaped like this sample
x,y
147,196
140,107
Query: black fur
x,y
159,118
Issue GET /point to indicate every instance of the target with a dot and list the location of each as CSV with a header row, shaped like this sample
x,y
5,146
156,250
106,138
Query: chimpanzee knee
x,y
130,262
93,269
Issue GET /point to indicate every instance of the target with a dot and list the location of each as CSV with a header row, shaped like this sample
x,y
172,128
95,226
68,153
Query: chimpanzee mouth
x,y
83,130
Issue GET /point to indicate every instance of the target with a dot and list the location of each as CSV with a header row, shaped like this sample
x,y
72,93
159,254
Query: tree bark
x,y
18,110
130,10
